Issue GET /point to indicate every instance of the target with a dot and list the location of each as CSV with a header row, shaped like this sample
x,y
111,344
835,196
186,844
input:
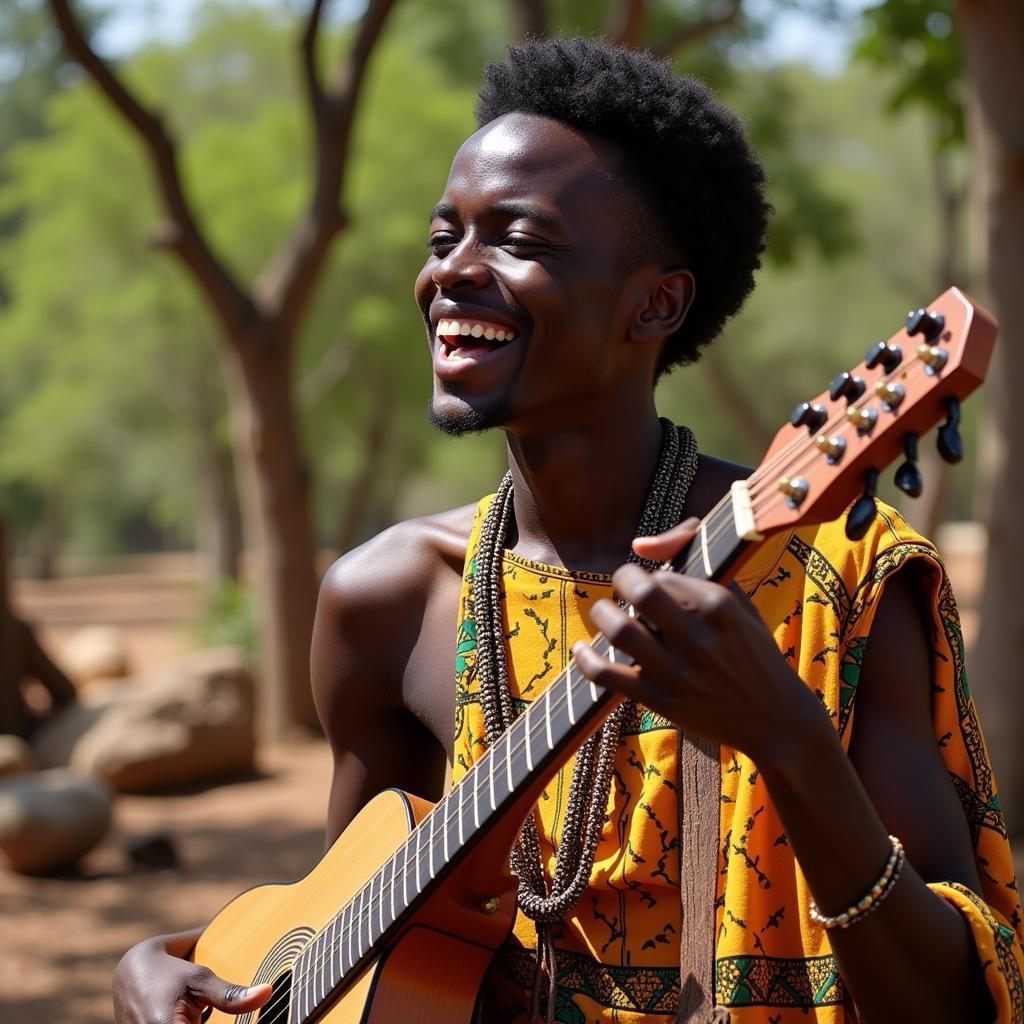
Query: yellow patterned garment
x,y
618,954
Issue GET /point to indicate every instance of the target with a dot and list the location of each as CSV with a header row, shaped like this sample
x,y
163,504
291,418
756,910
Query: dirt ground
x,y
63,936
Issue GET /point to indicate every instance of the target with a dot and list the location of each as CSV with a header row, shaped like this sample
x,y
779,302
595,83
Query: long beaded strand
x,y
592,773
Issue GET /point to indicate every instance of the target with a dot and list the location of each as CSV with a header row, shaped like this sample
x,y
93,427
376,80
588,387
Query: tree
x,y
993,34
259,326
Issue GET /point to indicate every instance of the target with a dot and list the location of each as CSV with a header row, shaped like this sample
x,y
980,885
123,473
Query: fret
x,y
319,977
391,887
458,800
368,915
703,537
330,952
529,751
380,899
304,1000
490,778
358,914
508,761
547,717
476,799
351,944
405,873
444,830
416,856
430,844
568,695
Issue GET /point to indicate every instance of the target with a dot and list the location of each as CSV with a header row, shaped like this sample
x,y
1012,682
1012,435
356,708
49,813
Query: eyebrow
x,y
512,208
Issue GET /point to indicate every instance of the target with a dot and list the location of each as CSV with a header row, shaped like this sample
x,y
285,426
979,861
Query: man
x,y
598,229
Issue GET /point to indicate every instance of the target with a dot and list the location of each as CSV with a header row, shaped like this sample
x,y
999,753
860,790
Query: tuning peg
x,y
950,443
810,416
890,356
908,476
864,508
845,385
920,321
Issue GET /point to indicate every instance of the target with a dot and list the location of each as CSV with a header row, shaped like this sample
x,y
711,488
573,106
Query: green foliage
x,y
229,618
915,41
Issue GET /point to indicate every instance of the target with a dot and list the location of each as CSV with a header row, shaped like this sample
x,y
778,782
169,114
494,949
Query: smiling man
x,y
596,231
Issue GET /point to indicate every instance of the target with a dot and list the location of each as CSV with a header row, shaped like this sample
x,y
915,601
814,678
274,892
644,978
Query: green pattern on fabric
x,y
778,981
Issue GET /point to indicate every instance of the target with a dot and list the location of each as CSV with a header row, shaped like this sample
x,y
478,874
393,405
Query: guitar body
x,y
433,972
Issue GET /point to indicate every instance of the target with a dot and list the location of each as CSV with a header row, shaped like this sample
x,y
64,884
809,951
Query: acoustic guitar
x,y
401,918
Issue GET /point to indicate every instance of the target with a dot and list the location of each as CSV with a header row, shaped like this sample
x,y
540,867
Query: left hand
x,y
710,665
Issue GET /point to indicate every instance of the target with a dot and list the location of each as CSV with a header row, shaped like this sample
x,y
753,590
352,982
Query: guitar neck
x,y
529,751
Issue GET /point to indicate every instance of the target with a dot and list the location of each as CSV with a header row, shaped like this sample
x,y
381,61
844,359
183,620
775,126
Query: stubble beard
x,y
465,419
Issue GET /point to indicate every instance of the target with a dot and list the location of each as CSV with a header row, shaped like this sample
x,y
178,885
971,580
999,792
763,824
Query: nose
x,y
461,269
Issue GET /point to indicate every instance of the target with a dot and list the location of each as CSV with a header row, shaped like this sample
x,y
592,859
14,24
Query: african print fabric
x,y
618,953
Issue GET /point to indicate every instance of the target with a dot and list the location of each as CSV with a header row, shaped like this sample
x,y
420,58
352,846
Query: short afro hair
x,y
685,153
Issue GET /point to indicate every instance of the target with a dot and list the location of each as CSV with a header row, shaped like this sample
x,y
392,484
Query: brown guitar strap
x,y
700,789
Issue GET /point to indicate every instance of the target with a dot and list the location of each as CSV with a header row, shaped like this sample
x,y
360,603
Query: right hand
x,y
154,982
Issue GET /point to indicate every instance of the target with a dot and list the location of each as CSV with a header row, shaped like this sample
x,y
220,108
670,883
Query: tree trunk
x,y
276,499
366,486
930,510
21,657
993,32
220,524
13,713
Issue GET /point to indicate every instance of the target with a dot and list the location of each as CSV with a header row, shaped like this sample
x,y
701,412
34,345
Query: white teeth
x,y
452,328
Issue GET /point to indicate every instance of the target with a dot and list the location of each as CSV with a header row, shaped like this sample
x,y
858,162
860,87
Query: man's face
x,y
519,293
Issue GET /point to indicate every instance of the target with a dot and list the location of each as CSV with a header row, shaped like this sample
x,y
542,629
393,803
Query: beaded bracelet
x,y
872,898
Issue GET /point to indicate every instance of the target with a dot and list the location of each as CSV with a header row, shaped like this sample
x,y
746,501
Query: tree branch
x,y
181,233
284,286
626,23
314,90
723,15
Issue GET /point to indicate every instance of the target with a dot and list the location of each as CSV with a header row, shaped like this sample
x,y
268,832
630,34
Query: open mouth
x,y
465,338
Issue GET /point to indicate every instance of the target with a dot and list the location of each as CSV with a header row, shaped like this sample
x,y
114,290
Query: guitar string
x,y
756,490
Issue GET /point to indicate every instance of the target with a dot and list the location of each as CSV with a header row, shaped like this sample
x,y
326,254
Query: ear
x,y
663,306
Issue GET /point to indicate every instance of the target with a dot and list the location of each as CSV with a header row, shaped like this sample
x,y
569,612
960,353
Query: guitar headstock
x,y
835,445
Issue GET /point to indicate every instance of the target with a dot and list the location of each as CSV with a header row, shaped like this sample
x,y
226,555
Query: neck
x,y
579,492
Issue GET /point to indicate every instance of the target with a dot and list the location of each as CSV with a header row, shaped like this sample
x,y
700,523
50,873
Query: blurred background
x,y
213,376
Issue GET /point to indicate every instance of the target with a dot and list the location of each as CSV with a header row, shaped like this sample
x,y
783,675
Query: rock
x,y
16,757
99,652
50,819
187,725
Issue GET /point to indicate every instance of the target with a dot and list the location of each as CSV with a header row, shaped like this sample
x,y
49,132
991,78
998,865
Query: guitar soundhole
x,y
275,1010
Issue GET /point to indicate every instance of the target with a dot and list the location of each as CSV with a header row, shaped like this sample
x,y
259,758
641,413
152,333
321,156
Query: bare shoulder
x,y
399,562
374,598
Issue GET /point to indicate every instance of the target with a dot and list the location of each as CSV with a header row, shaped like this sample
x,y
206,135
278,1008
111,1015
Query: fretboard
x,y
531,748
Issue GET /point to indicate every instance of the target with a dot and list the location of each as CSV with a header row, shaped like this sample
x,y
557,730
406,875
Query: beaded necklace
x,y
592,773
